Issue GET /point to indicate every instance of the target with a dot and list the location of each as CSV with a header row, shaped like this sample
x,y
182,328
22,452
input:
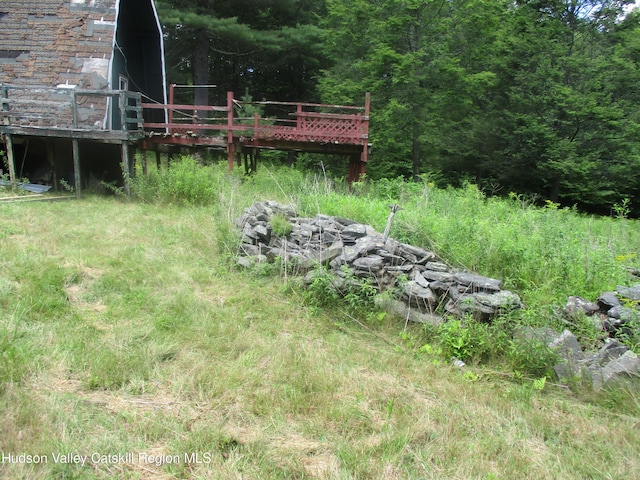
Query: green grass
x,y
124,327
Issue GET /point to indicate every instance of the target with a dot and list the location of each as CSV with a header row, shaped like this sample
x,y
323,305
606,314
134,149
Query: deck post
x,y
76,166
8,141
144,163
171,87
231,153
230,146
357,168
52,163
126,167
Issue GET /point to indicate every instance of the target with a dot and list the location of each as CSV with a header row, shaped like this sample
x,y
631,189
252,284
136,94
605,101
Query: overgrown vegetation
x,y
184,181
126,323
540,98
503,238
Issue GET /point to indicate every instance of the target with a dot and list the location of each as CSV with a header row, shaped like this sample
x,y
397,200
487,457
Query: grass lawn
x,y
126,339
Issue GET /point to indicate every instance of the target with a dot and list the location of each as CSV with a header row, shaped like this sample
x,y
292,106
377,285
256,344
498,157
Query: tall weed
x,y
545,254
183,182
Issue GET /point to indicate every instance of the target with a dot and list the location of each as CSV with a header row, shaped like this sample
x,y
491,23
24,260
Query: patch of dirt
x,y
322,465
76,291
317,461
111,400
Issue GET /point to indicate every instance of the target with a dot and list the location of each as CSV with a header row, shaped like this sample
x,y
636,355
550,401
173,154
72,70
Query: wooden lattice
x,y
343,129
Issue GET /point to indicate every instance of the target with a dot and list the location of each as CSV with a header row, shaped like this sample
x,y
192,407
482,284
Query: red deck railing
x,y
291,123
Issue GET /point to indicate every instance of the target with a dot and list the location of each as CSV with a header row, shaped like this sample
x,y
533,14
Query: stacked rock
x,y
352,250
617,316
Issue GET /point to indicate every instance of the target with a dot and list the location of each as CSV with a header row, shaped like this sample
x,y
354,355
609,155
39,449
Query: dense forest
x,y
536,97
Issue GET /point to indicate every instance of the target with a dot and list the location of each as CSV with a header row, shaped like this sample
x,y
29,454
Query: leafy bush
x,y
470,339
475,341
327,290
323,291
533,358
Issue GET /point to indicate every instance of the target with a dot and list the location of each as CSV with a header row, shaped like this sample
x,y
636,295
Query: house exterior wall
x,y
56,42
62,47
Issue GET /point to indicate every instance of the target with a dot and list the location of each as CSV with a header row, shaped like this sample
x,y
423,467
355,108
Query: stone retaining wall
x,y
427,287
351,250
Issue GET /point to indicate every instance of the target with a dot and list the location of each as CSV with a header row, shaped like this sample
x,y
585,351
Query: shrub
x,y
327,290
470,339
280,225
323,291
533,358
183,182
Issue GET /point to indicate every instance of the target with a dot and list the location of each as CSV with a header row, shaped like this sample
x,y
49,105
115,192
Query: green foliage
x,y
323,291
328,291
280,225
529,98
4,175
124,320
587,329
470,340
509,243
359,295
66,186
622,209
270,48
531,357
183,181
477,342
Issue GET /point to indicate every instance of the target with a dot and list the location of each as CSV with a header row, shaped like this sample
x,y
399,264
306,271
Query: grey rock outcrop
x,y
612,363
617,316
566,345
614,312
357,252
580,305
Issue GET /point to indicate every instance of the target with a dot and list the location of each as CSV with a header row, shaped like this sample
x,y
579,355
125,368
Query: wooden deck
x,y
304,127
122,117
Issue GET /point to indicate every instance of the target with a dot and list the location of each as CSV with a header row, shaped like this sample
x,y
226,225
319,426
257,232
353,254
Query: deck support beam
x,y
126,167
8,141
52,163
76,166
357,168
230,145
